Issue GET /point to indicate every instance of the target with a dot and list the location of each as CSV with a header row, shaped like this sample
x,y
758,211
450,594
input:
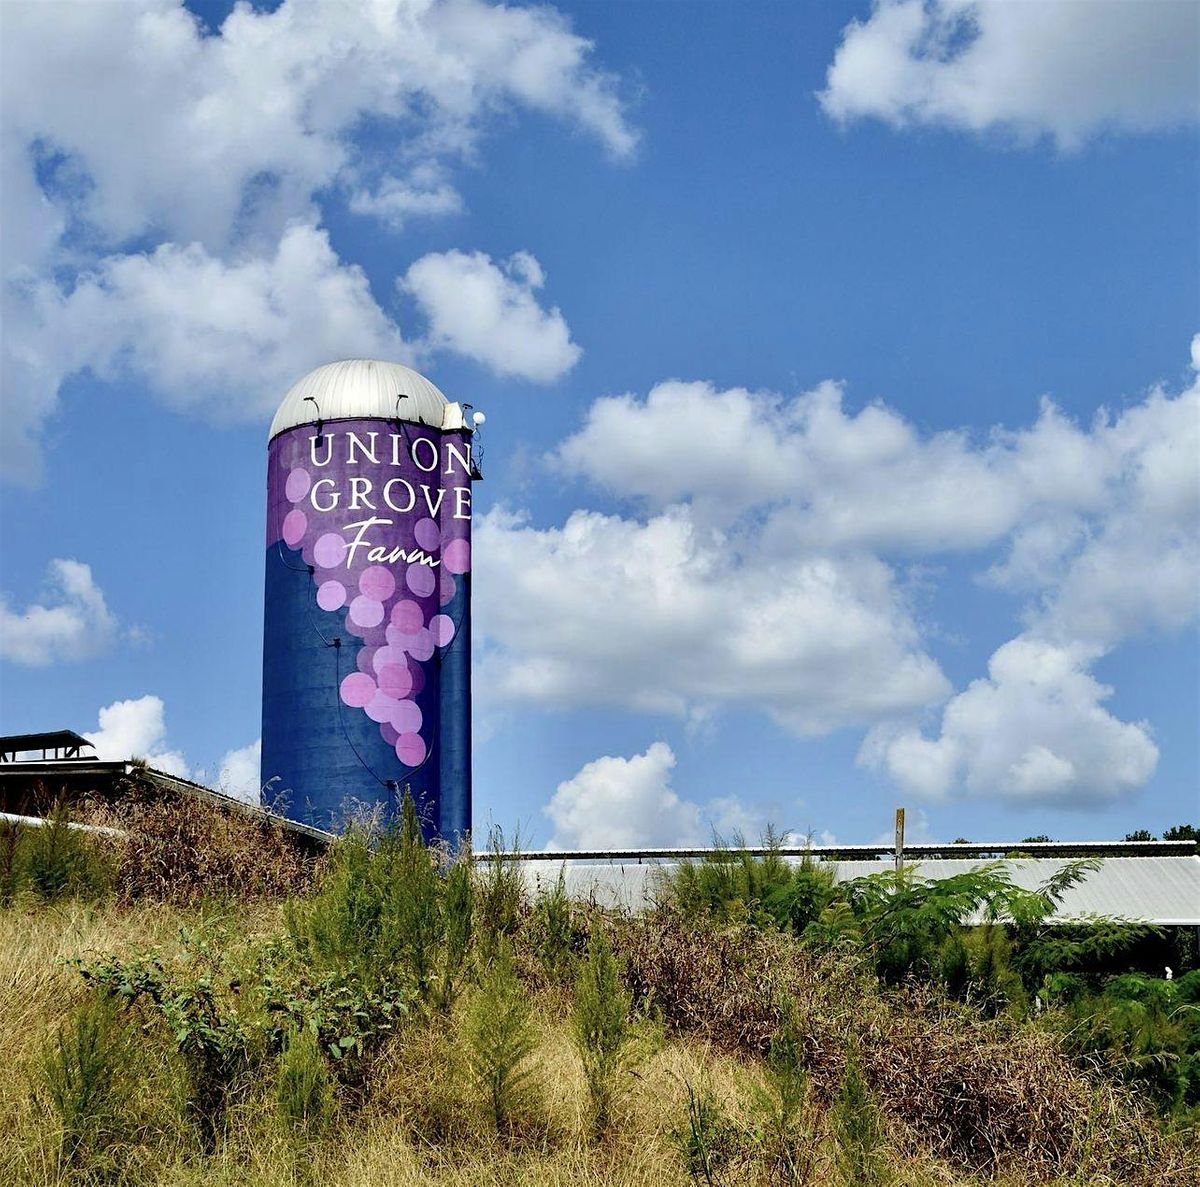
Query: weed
x,y
858,1130
601,1026
500,1039
302,1089
83,1066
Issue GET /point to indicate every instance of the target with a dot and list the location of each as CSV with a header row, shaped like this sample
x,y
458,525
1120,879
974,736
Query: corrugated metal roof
x,y
361,389
1161,890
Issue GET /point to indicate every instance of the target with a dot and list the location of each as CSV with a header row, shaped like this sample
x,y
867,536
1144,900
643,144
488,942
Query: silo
x,y
366,641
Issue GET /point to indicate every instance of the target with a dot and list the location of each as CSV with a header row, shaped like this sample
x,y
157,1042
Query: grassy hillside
x,y
391,1017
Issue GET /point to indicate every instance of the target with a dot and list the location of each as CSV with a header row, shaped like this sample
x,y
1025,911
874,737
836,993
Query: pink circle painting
x,y
420,580
358,689
366,612
406,717
456,556
407,616
428,535
297,484
331,595
395,680
441,627
410,750
378,583
329,550
295,524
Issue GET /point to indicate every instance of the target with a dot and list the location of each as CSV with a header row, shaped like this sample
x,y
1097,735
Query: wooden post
x,y
899,840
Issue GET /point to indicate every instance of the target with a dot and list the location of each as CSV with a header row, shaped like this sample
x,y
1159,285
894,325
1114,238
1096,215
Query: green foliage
x,y
349,1018
858,1131
302,1088
601,1027
1182,832
500,897
552,931
500,1039
732,884
707,1139
59,861
11,847
786,1132
378,911
458,919
196,1001
85,1066
1141,834
1145,1030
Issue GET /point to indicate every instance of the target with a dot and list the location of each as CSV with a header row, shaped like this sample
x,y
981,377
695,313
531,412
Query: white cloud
x,y
239,773
665,616
137,729
761,561
489,313
621,803
154,180
423,194
1034,729
1059,68
74,622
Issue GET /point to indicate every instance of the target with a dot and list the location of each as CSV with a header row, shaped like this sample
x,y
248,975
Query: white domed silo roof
x,y
364,389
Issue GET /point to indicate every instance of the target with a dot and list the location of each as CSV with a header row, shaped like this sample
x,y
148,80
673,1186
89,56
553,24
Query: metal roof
x,y
366,389
1160,890
13,744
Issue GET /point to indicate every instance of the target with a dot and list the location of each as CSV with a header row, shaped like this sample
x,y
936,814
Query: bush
x,y
552,932
500,1039
601,1026
786,1134
500,901
858,1131
84,1066
302,1090
60,860
183,851
195,1003
378,909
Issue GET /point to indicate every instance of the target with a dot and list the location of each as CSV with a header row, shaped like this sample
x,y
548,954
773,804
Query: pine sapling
x,y
601,1026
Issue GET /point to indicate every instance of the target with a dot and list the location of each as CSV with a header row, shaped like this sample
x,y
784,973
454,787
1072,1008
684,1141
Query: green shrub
x,y
61,860
601,1027
11,852
84,1067
302,1088
552,931
500,898
195,1002
786,1132
377,910
500,1039
458,921
858,1131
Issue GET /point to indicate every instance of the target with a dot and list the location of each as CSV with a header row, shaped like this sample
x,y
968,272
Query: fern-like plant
x,y
500,1039
601,1027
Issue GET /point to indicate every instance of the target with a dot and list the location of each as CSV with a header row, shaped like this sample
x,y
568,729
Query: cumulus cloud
x,y
223,339
239,773
1057,68
624,803
72,623
488,312
669,617
154,178
1034,729
762,549
137,729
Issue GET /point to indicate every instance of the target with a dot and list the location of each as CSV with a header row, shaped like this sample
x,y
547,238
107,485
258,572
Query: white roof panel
x,y
1161,890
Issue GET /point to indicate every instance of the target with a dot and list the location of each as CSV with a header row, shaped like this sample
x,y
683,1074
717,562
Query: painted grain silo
x,y
366,644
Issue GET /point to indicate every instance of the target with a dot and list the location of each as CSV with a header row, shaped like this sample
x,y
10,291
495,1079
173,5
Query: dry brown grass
x,y
182,851
938,1077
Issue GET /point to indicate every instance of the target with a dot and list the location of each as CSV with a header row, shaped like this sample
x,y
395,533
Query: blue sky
x,y
763,303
